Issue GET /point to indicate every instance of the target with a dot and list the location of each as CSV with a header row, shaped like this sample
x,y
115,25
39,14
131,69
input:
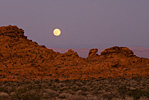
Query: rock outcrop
x,y
93,53
22,59
12,31
118,50
71,53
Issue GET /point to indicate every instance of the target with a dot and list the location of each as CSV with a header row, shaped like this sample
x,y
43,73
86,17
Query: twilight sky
x,y
84,23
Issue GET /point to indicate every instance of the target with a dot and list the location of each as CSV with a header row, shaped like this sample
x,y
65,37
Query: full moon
x,y
57,32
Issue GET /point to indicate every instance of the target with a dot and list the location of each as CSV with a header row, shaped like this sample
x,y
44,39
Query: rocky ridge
x,y
22,59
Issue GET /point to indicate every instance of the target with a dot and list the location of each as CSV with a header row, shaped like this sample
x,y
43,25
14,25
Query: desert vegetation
x,y
94,89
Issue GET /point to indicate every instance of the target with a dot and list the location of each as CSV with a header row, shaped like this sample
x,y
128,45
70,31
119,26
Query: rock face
x,y
22,59
118,50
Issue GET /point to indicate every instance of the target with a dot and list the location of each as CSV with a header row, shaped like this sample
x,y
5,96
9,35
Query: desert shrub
x,y
75,88
30,95
137,94
79,84
50,84
108,96
54,87
3,89
4,98
83,93
76,97
63,95
27,87
84,89
122,91
48,93
7,89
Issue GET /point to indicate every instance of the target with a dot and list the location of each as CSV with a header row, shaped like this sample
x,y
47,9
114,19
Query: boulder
x,y
93,53
118,50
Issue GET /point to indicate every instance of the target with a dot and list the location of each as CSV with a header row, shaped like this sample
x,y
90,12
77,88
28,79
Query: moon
x,y
57,32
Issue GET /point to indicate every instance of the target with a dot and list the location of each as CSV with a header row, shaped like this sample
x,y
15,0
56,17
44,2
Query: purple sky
x,y
84,23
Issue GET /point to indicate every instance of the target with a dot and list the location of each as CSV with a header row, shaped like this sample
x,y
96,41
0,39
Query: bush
x,y
137,94
123,91
31,95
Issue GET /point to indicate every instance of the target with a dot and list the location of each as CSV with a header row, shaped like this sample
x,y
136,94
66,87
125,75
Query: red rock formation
x,y
22,59
93,53
118,50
